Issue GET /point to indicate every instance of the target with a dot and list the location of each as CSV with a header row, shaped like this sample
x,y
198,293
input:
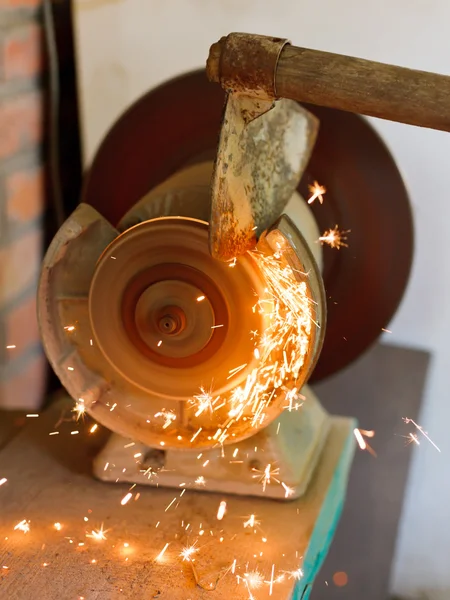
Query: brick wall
x,y
22,201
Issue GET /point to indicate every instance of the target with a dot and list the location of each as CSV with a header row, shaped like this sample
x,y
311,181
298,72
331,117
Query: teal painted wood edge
x,y
328,519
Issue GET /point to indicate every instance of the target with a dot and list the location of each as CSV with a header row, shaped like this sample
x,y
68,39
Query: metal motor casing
x,y
149,396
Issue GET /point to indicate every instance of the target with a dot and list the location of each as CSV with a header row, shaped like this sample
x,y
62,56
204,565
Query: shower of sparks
x,y
168,415
97,534
79,409
334,238
420,428
316,190
93,428
386,330
11,347
221,510
23,526
161,554
232,262
187,552
70,328
359,433
281,351
126,499
3,480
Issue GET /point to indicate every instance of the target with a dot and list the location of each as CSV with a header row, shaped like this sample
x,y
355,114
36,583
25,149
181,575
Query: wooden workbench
x,y
49,482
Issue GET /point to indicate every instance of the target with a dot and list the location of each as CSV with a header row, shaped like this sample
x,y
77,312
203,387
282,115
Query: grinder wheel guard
x,y
178,124
166,345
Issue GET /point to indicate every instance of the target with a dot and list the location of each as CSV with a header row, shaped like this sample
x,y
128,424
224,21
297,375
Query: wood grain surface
x,y
50,481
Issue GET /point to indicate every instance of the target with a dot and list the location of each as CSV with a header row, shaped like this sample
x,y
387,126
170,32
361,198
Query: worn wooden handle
x,y
338,81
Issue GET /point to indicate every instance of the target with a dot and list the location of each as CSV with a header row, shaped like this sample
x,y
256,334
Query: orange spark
x,y
317,191
424,433
161,554
79,409
221,510
334,238
288,491
168,415
359,438
126,498
252,522
98,534
187,552
254,579
23,526
362,442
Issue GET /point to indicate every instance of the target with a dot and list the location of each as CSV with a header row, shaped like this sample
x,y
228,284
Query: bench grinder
x,y
190,297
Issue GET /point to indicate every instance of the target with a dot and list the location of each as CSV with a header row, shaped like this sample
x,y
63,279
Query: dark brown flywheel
x,y
178,123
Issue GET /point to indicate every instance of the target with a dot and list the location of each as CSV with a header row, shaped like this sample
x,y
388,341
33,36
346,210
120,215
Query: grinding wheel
x,y
178,123
168,317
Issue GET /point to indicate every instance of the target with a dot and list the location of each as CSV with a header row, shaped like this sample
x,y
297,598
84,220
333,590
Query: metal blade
x,y
263,150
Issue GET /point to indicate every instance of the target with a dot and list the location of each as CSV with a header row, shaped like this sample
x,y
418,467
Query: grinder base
x,y
278,462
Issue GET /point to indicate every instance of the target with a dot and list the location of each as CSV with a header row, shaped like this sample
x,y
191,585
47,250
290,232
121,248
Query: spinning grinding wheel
x,y
176,324
178,124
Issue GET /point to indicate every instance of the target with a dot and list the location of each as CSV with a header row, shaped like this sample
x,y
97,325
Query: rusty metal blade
x,y
264,147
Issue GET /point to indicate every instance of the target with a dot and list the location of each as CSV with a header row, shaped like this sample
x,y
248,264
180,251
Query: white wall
x,y
128,46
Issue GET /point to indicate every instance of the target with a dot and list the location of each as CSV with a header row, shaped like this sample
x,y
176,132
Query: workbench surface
x,y
49,482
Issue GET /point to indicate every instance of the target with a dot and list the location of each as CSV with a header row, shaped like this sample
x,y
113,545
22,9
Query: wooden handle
x,y
352,84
